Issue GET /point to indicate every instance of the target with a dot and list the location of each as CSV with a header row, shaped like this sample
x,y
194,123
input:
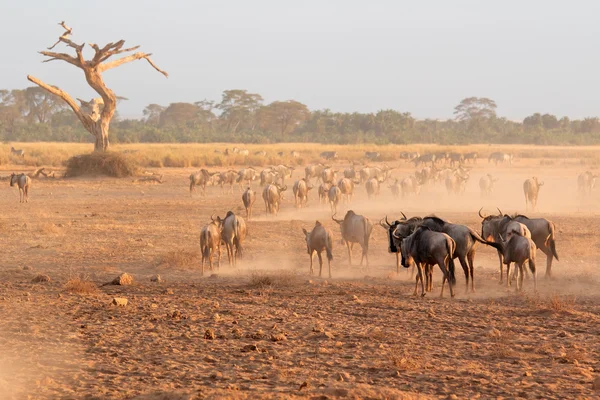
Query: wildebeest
x,y
272,195
442,156
233,233
372,155
519,249
426,174
396,231
18,153
324,192
328,175
350,172
227,178
381,173
334,194
498,157
531,189
261,153
355,229
455,184
24,183
586,182
426,247
471,157
456,158
410,185
313,171
294,154
284,172
200,178
246,175
408,156
210,242
301,188
243,152
486,184
395,188
280,153
542,233
317,240
346,186
248,198
466,244
267,176
329,155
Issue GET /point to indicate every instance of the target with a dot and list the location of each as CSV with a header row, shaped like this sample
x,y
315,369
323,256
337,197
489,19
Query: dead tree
x,y
96,114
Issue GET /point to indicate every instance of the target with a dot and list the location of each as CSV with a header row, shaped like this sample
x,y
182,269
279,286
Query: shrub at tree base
x,y
109,163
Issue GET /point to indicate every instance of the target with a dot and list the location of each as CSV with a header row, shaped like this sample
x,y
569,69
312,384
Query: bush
x,y
110,163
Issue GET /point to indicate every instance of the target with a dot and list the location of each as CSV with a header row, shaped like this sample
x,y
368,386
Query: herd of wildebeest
x,y
418,242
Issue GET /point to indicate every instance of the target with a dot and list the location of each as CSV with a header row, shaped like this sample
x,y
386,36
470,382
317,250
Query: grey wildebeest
x,y
586,182
519,249
268,176
329,155
261,153
471,157
466,240
410,185
317,240
498,157
233,233
350,172
301,188
425,247
328,175
398,230
425,158
493,227
335,196
380,173
346,186
18,153
373,187
456,158
395,188
227,178
372,155
272,195
456,183
294,154
200,178
248,198
313,171
210,242
24,183
284,172
355,229
246,175
324,192
486,185
531,189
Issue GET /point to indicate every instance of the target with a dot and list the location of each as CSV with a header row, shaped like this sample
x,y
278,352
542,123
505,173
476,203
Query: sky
x,y
413,56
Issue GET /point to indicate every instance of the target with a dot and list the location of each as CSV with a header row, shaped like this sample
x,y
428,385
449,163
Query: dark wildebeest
x,y
426,247
329,175
410,185
531,189
335,196
248,198
24,183
350,172
409,156
372,155
442,156
200,178
471,157
346,186
466,244
261,153
542,234
397,231
519,249
486,184
373,186
426,174
301,189
329,155
425,158
280,153
317,240
18,153
498,157
395,188
268,176
246,175
355,229
284,172
324,192
586,182
272,195
313,171
456,158
210,242
227,178
233,233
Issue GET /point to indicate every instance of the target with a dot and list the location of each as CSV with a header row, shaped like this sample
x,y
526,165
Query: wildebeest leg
x,y
398,263
202,263
312,253
471,261
320,263
210,259
549,257
520,279
508,278
465,267
501,258
534,273
349,246
420,276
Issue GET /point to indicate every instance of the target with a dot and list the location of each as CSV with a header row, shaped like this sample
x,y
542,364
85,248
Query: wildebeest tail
x,y
367,230
204,244
551,242
451,246
191,184
478,238
329,248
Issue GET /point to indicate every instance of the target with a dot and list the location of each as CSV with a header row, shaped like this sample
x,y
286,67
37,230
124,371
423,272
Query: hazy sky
x,y
418,56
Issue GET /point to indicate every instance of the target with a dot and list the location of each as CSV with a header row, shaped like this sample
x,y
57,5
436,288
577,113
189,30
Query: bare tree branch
x,y
127,59
61,56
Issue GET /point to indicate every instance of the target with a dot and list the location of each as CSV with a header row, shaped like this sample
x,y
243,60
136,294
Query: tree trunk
x,y
100,132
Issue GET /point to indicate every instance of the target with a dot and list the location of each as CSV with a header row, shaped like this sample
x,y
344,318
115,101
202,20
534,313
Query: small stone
x,y
217,317
26,294
123,279
153,305
119,301
527,373
27,268
452,397
329,335
41,278
303,385
278,337
216,375
167,291
249,347
213,276
209,334
210,359
157,279
596,384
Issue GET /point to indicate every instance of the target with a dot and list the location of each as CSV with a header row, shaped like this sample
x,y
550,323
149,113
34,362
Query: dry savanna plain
x,y
267,328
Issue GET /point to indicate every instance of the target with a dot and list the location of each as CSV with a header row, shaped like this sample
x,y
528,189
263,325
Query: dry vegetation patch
x,y
110,164
181,258
81,285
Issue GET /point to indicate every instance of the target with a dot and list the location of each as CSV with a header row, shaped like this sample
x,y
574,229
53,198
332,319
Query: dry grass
x,y
181,258
403,360
110,164
263,279
81,285
561,303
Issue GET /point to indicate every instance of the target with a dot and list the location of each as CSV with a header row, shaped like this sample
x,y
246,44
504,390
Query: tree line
x,y
34,114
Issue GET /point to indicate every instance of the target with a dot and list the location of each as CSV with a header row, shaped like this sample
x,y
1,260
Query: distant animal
x,y
335,196
280,153
261,153
409,156
294,154
300,190
531,189
246,175
313,171
350,173
233,233
210,242
244,152
372,155
519,249
248,198
456,158
329,175
442,156
586,182
283,172
456,183
355,229
380,173
498,157
18,153
324,192
24,183
410,185
272,196
200,178
267,176
373,187
329,155
486,185
346,186
426,247
227,178
318,240
395,188
471,157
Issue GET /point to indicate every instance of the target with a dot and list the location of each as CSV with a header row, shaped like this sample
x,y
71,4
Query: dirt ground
x,y
274,331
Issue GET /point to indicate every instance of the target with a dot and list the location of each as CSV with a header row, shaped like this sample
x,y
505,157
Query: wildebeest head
x,y
13,179
390,227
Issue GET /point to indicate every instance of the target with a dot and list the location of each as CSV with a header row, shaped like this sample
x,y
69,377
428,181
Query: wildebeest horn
x,y
339,221
212,217
404,216
500,211
396,236
386,221
480,215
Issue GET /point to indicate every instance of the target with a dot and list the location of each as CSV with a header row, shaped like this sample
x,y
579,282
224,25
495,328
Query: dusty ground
x,y
278,332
